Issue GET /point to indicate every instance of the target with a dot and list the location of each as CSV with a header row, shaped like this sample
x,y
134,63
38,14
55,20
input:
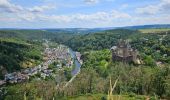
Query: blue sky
x,y
82,13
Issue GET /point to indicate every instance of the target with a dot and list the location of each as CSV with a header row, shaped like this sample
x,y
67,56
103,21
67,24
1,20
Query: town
x,y
61,54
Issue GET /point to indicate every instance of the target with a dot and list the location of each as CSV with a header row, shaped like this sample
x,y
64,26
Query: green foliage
x,y
93,80
25,34
155,30
31,91
98,41
67,72
14,53
53,65
141,80
153,47
149,61
98,60
104,97
1,75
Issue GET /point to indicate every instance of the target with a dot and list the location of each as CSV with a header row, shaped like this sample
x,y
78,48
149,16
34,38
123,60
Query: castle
x,y
123,52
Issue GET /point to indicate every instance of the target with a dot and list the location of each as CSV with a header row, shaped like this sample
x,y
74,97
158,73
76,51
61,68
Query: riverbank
x,y
76,62
77,67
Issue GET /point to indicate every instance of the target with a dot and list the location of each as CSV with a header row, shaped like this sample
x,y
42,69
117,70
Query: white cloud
x,y
94,17
110,0
96,1
6,6
165,5
166,1
34,16
82,20
91,1
41,8
162,7
124,6
164,19
27,16
30,15
148,10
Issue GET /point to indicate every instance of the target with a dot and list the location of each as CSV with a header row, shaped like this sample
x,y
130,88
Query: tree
x,y
149,61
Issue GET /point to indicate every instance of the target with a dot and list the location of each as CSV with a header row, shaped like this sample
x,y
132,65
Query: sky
x,y
82,13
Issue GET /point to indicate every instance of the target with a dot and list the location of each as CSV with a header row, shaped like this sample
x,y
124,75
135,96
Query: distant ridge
x,y
148,26
91,30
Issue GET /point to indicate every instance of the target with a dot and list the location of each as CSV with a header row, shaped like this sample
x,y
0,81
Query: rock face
x,y
123,52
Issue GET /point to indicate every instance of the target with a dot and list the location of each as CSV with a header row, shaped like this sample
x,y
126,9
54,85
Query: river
x,y
76,62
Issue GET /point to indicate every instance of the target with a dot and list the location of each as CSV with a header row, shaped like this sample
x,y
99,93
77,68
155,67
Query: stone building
x,y
123,52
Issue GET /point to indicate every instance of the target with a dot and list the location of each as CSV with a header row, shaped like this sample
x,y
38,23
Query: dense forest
x,y
100,40
33,34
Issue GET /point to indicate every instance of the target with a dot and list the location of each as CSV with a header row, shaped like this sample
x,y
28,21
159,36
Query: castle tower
x,y
123,52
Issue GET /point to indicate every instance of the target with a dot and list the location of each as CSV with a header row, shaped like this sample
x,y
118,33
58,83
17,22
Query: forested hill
x,y
16,54
58,36
152,47
100,40
32,34
25,34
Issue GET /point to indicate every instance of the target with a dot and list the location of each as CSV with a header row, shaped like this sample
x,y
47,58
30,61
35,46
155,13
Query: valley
x,y
67,66
55,60
84,49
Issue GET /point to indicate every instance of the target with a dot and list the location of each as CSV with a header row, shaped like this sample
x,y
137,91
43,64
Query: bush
x,y
132,94
104,98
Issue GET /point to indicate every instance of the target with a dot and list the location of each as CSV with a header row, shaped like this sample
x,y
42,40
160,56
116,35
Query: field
x,y
154,30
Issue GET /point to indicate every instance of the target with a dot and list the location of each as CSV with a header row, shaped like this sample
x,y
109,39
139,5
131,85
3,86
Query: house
x,y
9,76
21,77
43,75
16,77
2,82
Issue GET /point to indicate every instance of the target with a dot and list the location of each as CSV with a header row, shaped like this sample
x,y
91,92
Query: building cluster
x,y
2,82
16,77
123,52
24,75
61,54
78,55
